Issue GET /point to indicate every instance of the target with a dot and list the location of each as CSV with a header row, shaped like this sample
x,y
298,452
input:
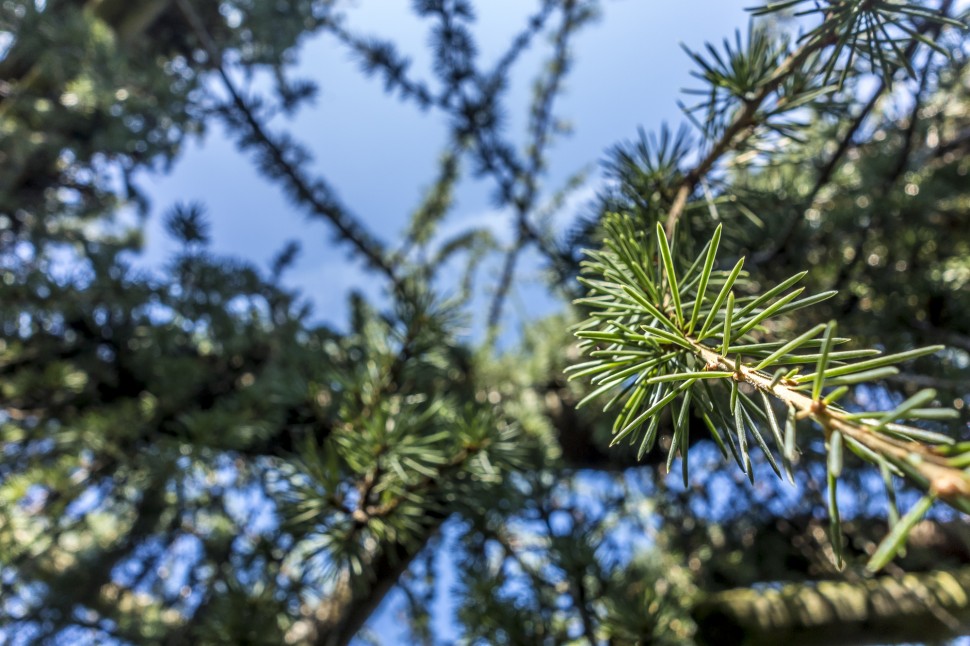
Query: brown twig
x,y
936,475
739,130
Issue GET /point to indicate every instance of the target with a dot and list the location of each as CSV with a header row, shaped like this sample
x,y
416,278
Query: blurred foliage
x,y
188,456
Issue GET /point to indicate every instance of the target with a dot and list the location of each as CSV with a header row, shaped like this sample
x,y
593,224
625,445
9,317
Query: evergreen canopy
x,y
783,283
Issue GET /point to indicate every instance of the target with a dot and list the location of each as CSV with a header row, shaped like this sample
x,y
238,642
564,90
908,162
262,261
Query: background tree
x,y
189,458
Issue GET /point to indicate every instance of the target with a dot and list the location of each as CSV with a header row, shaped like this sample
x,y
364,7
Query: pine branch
x,y
469,96
932,471
355,598
377,55
520,43
648,335
340,617
742,126
835,32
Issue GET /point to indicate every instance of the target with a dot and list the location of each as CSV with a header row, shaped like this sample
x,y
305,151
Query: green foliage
x,y
409,446
644,348
186,456
878,32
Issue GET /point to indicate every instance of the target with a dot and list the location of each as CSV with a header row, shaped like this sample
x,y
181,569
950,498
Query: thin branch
x,y
540,124
892,177
314,194
939,478
846,143
739,130
505,281
380,55
521,42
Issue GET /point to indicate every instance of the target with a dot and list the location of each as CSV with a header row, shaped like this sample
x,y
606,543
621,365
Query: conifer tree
x,y
758,374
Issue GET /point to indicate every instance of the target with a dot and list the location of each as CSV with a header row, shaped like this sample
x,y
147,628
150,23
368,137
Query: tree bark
x,y
799,549
910,608
336,620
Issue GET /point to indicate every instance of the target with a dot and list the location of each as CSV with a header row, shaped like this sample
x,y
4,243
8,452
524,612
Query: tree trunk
x,y
911,608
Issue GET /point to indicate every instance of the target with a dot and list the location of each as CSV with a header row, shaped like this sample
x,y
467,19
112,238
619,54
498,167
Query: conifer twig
x,y
742,126
540,125
847,142
647,350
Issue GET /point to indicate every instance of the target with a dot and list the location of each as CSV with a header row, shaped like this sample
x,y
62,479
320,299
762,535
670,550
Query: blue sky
x,y
380,153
